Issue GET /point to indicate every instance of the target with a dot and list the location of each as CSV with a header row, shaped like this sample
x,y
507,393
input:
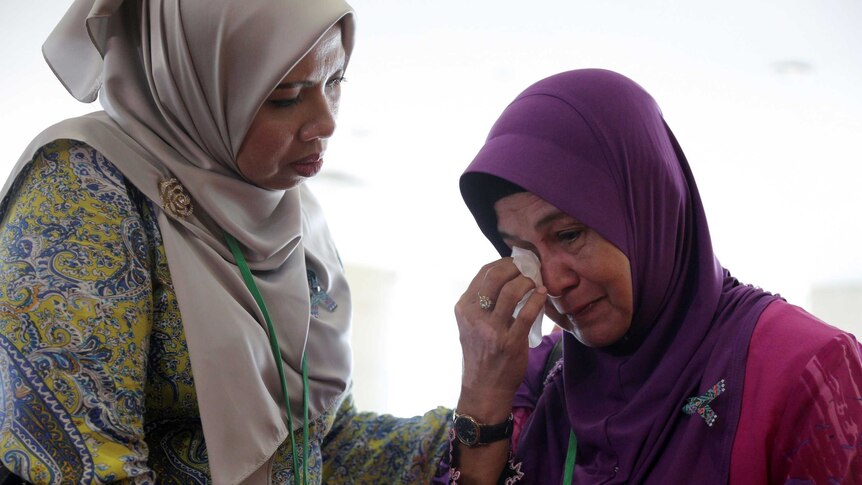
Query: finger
x,y
510,295
495,277
475,287
469,296
468,308
535,304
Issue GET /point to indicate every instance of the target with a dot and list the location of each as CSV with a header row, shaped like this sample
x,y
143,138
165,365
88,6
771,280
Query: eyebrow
x,y
305,84
553,216
298,84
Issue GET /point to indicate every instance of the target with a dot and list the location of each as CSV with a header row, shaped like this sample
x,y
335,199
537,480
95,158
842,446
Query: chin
x,y
292,184
282,184
597,340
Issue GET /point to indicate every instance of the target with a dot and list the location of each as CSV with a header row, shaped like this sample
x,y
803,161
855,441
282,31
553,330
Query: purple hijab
x,y
594,144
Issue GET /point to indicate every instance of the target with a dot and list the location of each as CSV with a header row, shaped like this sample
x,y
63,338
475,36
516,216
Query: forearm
x,y
482,464
495,348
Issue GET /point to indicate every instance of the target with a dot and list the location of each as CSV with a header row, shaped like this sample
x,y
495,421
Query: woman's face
x,y
287,138
591,277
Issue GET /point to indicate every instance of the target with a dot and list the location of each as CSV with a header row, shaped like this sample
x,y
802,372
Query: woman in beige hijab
x,y
172,307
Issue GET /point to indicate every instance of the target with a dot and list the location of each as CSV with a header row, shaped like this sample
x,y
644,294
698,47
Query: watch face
x,y
466,430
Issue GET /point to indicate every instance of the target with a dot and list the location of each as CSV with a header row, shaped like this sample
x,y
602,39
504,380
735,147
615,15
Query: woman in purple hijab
x,y
672,371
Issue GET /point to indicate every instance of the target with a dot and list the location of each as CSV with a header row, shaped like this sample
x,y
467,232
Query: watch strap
x,y
472,433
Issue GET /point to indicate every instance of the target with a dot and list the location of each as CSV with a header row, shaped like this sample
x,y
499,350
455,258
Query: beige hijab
x,y
181,82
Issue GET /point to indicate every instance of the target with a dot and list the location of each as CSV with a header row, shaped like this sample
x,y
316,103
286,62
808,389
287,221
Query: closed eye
x,y
569,236
336,81
285,103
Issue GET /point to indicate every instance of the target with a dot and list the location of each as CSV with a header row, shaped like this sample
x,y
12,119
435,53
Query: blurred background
x,y
764,98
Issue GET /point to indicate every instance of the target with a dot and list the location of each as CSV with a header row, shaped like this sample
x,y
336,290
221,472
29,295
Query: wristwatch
x,y
471,433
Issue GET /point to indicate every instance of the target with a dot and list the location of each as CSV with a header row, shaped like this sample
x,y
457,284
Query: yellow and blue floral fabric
x,y
96,385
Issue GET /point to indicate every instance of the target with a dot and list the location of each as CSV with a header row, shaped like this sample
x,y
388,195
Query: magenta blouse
x,y
801,419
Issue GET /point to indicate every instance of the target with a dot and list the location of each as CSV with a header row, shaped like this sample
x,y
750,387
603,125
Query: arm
x,y
819,439
75,300
370,448
496,353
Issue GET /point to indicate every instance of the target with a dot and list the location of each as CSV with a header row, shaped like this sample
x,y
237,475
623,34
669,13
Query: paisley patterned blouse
x,y
95,380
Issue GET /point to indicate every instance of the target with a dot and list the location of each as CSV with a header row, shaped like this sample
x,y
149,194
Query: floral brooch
x,y
175,200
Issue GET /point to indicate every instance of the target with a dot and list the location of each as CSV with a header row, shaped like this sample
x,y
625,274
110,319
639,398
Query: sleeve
x,y
820,436
75,319
371,448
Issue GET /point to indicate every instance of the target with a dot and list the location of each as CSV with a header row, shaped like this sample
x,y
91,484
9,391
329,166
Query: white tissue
x,y
528,264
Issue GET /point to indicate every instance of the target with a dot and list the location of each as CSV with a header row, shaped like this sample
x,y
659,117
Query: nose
x,y
558,275
320,123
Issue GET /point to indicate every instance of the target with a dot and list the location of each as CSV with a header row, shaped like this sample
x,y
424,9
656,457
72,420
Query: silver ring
x,y
485,303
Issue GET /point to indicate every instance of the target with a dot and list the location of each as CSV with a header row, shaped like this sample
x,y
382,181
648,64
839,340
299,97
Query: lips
x,y
582,310
308,166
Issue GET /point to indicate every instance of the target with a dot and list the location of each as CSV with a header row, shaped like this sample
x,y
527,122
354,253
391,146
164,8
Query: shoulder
x,y
66,179
800,374
787,337
785,341
71,211
816,436
781,317
77,162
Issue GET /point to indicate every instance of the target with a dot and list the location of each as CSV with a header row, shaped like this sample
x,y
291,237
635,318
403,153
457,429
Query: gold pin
x,y
175,200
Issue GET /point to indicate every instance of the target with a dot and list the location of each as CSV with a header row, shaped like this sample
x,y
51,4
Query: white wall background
x,y
763,96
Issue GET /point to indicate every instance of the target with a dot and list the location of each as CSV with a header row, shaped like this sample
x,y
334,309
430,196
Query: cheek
x,y
264,146
622,286
271,138
616,278
334,100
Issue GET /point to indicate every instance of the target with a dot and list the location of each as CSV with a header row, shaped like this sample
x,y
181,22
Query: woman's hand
x,y
495,345
495,348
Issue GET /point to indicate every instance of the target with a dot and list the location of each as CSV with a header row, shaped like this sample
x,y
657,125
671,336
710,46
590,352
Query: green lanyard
x,y
276,354
570,458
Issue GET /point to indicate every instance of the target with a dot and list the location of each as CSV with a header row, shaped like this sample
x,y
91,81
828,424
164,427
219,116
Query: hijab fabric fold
x,y
180,83
594,144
